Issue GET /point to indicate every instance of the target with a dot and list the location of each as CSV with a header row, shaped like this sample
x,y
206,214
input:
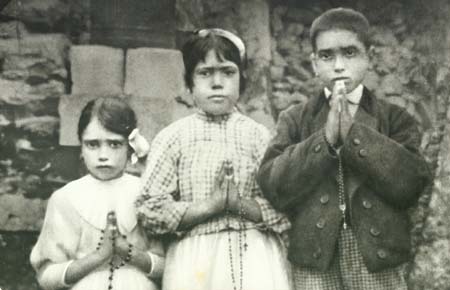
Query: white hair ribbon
x,y
139,144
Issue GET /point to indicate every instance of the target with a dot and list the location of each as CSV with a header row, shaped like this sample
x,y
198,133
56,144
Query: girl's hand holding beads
x,y
122,248
105,246
219,195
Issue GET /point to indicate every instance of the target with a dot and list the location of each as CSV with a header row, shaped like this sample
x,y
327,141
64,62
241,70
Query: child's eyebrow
x,y
216,66
116,139
350,47
329,50
99,139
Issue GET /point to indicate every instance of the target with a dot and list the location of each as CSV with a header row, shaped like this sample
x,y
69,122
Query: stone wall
x,y
33,77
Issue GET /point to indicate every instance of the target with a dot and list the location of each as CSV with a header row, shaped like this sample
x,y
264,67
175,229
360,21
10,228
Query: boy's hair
x,y
196,48
113,113
341,18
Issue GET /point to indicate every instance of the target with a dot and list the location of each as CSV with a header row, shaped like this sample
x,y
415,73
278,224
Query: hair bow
x,y
140,145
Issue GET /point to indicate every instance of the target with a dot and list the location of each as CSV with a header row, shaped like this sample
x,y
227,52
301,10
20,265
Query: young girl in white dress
x,y
90,238
200,182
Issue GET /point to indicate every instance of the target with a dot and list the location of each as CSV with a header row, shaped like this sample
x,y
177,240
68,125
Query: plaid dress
x,y
183,162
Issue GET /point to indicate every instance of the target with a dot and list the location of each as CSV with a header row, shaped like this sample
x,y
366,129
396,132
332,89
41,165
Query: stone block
x,y
181,111
278,59
97,70
399,101
33,69
254,27
391,86
305,16
69,109
154,72
40,125
50,89
383,36
12,29
17,93
50,45
371,80
18,213
276,73
263,118
295,29
153,114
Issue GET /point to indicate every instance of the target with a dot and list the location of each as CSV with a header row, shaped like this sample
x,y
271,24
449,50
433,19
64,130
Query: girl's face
x,y
215,85
105,153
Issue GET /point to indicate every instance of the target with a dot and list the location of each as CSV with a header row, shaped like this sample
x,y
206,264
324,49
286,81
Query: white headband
x,y
228,35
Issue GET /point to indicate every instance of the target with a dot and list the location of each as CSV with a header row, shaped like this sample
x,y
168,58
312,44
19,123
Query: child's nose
x,y
103,153
339,64
217,80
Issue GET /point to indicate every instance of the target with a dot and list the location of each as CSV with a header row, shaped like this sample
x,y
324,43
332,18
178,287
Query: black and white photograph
x,y
224,145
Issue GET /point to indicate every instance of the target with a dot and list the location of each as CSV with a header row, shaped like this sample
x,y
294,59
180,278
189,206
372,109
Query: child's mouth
x,y
103,167
340,79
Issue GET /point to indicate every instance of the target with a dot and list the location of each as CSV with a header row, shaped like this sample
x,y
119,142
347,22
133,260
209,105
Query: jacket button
x,y
317,253
317,148
367,204
320,224
324,199
363,152
375,232
356,141
382,254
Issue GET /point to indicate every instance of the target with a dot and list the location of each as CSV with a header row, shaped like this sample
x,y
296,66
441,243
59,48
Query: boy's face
x,y
340,55
215,85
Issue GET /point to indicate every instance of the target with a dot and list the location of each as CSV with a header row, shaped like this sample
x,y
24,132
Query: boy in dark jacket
x,y
345,166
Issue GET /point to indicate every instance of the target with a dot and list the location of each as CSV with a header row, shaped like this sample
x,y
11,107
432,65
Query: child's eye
x,y
325,56
115,144
230,72
350,52
203,72
91,144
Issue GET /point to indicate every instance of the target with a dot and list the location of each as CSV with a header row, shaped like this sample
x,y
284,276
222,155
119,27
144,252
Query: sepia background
x,y
55,55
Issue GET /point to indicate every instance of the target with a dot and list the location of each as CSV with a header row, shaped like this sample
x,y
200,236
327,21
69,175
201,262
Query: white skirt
x,y
203,263
123,279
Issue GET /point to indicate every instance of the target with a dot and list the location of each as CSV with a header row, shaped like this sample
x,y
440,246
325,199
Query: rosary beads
x,y
112,266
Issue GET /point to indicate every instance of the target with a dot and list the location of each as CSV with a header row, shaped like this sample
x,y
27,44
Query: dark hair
x,y
112,112
341,18
196,48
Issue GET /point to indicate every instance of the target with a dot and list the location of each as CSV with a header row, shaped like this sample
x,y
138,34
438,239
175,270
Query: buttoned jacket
x,y
384,175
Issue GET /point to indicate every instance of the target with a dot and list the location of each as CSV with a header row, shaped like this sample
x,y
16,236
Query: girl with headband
x,y
200,185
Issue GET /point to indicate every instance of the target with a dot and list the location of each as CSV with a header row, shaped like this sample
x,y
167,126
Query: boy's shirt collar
x,y
353,96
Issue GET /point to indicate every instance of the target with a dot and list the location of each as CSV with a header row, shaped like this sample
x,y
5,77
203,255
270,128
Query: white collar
x,y
93,199
353,96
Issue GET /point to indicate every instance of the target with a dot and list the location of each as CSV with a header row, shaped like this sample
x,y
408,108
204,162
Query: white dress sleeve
x,y
56,247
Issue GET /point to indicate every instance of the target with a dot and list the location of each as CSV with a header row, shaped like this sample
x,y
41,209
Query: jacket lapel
x,y
320,109
367,115
367,110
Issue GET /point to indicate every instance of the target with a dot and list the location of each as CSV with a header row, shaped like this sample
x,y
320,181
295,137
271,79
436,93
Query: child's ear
x,y
371,52
312,57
